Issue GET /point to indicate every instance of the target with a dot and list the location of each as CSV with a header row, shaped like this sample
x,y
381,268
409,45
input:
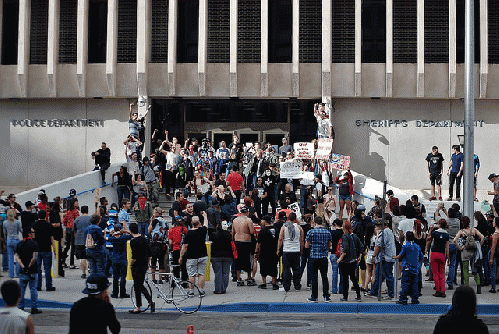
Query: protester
x,y
291,239
176,236
95,246
435,171
221,257
351,251
143,212
411,257
71,215
158,230
94,313
102,159
439,252
265,252
124,183
141,256
455,172
345,192
13,319
44,237
119,238
12,231
80,225
242,232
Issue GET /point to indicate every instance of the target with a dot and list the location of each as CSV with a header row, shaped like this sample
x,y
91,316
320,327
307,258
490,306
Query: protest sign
x,y
291,169
304,150
324,149
307,178
296,209
339,161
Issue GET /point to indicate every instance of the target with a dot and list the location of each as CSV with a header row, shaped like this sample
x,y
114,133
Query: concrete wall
x,y
398,154
32,156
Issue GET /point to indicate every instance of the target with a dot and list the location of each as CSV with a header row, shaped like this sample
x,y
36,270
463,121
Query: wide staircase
x,y
165,204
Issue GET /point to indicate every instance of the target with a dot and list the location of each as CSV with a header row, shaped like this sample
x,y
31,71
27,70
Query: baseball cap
x,y
179,218
244,209
361,207
41,192
72,192
389,192
282,214
95,284
29,203
491,176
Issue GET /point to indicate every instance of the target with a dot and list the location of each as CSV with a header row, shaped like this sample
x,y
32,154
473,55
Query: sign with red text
x,y
341,162
324,149
304,150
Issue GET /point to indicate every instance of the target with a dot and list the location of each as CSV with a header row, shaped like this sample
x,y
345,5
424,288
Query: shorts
x,y
268,267
345,197
243,255
436,178
474,182
196,267
158,258
362,263
81,252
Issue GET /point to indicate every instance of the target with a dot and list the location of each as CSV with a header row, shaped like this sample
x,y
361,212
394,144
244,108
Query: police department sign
x,y
58,123
402,123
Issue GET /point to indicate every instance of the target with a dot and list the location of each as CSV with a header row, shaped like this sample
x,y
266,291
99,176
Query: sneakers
x,y
240,283
492,291
263,286
202,293
458,199
83,275
114,296
450,287
312,300
35,311
415,302
343,299
439,294
124,296
190,293
388,298
327,299
52,288
250,282
432,198
401,302
275,287
449,199
440,198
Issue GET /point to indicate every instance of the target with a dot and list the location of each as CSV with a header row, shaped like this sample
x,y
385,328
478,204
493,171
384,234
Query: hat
x,y
41,192
72,192
179,218
95,284
113,213
389,192
361,207
244,209
29,203
493,175
282,214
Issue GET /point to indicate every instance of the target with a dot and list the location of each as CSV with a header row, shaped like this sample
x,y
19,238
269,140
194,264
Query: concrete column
x,y
143,44
142,109
452,48
296,48
420,46
112,46
23,46
358,48
484,47
326,48
1,24
233,48
82,46
264,74
203,46
53,46
389,49
172,45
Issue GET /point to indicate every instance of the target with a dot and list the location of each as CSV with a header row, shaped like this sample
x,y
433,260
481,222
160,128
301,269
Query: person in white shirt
x,y
12,319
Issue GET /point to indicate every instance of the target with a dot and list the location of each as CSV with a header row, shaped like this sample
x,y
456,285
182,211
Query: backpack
x,y
89,241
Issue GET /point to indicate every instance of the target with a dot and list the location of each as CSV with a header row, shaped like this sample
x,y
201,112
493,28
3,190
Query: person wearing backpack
x,y
465,241
95,245
158,229
411,257
351,253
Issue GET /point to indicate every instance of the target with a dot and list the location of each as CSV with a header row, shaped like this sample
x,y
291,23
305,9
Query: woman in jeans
x,y
439,251
12,228
345,192
124,184
351,253
221,257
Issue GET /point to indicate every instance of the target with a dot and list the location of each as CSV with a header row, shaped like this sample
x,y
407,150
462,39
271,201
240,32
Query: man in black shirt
x,y
28,216
141,255
26,253
336,234
44,237
194,252
266,252
199,206
435,168
102,159
95,313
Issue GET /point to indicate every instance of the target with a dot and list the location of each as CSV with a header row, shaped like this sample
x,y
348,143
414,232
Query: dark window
x,y
343,31
493,7
127,31
218,31
249,31
10,31
159,31
436,31
303,127
68,13
39,32
97,31
405,31
280,31
460,31
373,31
187,31
310,31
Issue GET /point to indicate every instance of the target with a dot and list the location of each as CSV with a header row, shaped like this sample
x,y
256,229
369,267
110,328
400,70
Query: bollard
x,y
129,259
207,270
190,329
396,277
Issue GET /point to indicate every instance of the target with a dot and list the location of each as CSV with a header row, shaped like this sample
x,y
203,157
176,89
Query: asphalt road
x,y
55,321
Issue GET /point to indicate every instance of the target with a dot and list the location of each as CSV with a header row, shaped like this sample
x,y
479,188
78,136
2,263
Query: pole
x,y
381,253
469,111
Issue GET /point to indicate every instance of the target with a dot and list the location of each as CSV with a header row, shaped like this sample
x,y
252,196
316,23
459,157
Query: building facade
x,y
393,70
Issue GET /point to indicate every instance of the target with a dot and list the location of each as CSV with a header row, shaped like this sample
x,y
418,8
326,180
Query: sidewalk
x,y
253,299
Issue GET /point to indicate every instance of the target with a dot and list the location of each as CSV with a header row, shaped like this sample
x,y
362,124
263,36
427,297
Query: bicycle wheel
x,y
186,297
145,303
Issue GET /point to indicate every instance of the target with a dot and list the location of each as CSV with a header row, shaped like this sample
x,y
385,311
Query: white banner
x,y
307,178
324,148
304,150
296,209
291,169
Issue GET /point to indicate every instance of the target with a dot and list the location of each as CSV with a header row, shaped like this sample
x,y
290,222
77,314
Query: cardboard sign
x,y
341,162
307,178
304,150
291,169
296,209
324,149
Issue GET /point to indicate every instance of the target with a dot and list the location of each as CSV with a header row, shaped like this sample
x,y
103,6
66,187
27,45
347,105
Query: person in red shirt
x,y
236,182
68,221
175,236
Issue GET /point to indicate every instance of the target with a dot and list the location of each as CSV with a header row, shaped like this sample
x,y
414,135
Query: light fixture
x,y
461,140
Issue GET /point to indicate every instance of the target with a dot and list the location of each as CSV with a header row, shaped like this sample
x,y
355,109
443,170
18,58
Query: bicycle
x,y
184,295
